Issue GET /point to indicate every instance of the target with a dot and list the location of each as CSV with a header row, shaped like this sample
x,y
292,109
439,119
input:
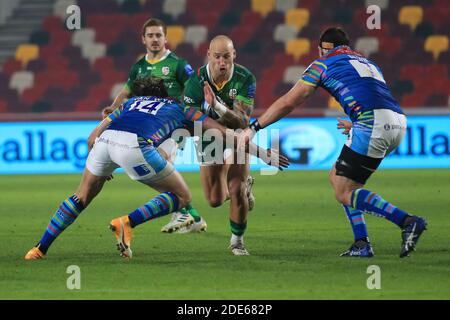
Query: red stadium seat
x,y
11,65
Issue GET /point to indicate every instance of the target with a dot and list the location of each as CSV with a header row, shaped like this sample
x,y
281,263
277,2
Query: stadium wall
x,y
310,143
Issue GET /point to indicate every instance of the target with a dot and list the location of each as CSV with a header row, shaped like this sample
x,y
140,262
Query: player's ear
x,y
143,40
234,54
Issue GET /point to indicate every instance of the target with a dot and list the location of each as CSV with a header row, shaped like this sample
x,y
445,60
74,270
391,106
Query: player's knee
x,y
216,200
342,196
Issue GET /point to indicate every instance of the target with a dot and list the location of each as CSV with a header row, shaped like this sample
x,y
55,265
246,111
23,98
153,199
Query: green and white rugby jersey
x,y
172,69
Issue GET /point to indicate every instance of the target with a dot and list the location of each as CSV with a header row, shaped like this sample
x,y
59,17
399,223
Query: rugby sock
x,y
159,206
371,202
64,216
192,211
238,229
357,222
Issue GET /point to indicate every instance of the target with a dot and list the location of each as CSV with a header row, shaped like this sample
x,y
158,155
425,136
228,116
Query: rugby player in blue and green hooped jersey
x,y
160,62
377,127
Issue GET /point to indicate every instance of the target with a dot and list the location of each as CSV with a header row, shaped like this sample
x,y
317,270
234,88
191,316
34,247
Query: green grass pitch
x,y
295,235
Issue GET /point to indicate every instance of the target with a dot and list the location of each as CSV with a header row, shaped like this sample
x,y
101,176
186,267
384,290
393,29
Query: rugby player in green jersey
x,y
228,97
160,62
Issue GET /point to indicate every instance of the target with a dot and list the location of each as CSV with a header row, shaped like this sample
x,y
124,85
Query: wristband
x,y
220,109
255,126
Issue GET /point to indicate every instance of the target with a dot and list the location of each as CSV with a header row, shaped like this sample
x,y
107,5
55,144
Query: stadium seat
x,y
411,16
333,104
196,35
26,52
92,51
284,33
292,74
10,66
298,47
175,36
3,106
367,45
285,5
21,80
40,38
436,44
263,6
174,7
390,46
115,90
60,7
83,36
383,4
297,18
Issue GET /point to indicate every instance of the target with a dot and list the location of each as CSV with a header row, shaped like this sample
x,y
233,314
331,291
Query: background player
x,y
160,62
378,128
230,96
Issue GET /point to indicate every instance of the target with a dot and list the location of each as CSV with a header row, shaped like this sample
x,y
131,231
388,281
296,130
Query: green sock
x,y
192,211
237,229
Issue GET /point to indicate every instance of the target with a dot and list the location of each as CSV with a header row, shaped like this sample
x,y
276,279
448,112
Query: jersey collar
x,y
157,60
212,80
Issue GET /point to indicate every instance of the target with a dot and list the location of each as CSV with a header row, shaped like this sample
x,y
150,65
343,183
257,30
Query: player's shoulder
x,y
242,72
174,57
139,62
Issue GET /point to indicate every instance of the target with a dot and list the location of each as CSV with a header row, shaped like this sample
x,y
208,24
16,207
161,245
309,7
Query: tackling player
x,y
129,138
160,62
230,91
378,126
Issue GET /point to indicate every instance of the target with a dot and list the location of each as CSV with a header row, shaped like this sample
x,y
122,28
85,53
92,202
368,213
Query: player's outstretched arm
x,y
121,97
284,105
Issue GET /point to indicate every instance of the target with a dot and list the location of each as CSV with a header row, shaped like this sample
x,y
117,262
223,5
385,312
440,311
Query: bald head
x,y
221,43
221,55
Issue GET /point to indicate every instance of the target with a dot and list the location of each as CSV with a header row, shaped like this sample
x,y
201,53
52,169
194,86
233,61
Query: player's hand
x,y
107,111
210,97
275,159
109,178
344,124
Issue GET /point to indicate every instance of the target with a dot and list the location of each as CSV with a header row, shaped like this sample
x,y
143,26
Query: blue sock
x,y
64,216
371,202
159,206
357,222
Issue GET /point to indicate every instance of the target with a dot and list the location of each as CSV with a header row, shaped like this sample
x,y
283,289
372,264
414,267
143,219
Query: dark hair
x,y
336,36
149,86
154,23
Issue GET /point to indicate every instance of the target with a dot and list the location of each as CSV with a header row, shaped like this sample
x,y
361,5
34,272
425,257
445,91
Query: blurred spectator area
x,y
47,68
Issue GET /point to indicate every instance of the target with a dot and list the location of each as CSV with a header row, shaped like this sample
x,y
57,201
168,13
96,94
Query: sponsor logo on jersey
x,y
165,70
188,100
232,94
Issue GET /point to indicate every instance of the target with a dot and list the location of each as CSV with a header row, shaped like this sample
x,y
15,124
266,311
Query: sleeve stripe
x,y
321,64
307,83
246,100
312,76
